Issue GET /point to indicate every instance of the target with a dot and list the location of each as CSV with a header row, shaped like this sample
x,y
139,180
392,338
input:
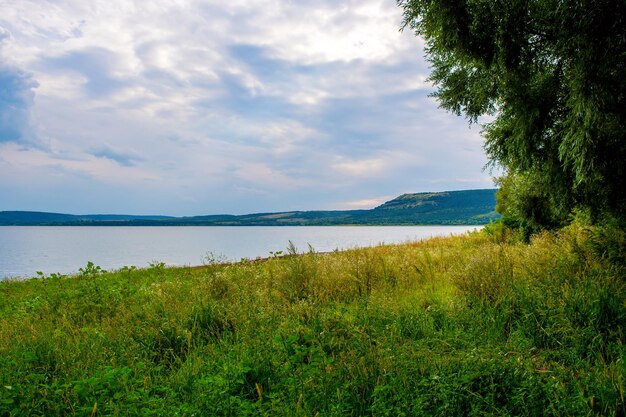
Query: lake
x,y
24,250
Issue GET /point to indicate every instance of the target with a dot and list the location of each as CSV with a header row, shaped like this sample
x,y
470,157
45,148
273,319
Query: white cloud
x,y
385,163
361,168
20,162
365,204
266,177
301,103
284,136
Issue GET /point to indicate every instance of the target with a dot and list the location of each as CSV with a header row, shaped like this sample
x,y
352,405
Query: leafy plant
x,y
91,270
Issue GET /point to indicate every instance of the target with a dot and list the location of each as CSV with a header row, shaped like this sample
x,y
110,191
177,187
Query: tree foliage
x,y
526,205
553,73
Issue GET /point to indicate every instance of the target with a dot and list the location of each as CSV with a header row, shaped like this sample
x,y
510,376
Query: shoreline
x,y
283,251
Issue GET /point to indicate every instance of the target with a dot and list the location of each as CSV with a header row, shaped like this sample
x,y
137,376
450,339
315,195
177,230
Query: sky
x,y
191,107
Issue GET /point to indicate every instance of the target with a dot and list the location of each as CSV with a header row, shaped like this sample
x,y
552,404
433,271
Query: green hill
x,y
43,218
450,207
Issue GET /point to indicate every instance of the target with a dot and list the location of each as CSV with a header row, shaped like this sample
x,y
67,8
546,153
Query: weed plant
x,y
482,324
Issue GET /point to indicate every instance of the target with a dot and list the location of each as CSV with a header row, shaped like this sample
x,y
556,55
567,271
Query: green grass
x,y
473,325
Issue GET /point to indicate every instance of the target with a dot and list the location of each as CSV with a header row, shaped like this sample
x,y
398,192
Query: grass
x,y
472,325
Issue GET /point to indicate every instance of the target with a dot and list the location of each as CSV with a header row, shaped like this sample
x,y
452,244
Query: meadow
x,y
482,324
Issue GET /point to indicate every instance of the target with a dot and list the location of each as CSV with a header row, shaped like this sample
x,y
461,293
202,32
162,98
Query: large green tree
x,y
553,75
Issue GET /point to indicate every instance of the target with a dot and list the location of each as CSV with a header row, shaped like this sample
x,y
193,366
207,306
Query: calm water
x,y
27,249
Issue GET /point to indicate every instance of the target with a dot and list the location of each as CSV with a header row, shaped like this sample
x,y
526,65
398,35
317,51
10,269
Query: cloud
x,y
16,99
5,35
265,177
360,168
195,107
366,204
124,157
322,31
93,68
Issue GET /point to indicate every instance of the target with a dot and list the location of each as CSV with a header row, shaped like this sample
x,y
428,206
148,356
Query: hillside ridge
x,y
448,207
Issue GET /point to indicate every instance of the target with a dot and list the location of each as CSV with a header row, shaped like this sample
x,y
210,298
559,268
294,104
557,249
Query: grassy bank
x,y
465,325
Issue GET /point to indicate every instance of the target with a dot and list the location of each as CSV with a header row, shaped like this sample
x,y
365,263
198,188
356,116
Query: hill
x,y
43,218
451,207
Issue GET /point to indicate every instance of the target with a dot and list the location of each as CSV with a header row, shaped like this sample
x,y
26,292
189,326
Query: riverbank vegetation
x,y
482,324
